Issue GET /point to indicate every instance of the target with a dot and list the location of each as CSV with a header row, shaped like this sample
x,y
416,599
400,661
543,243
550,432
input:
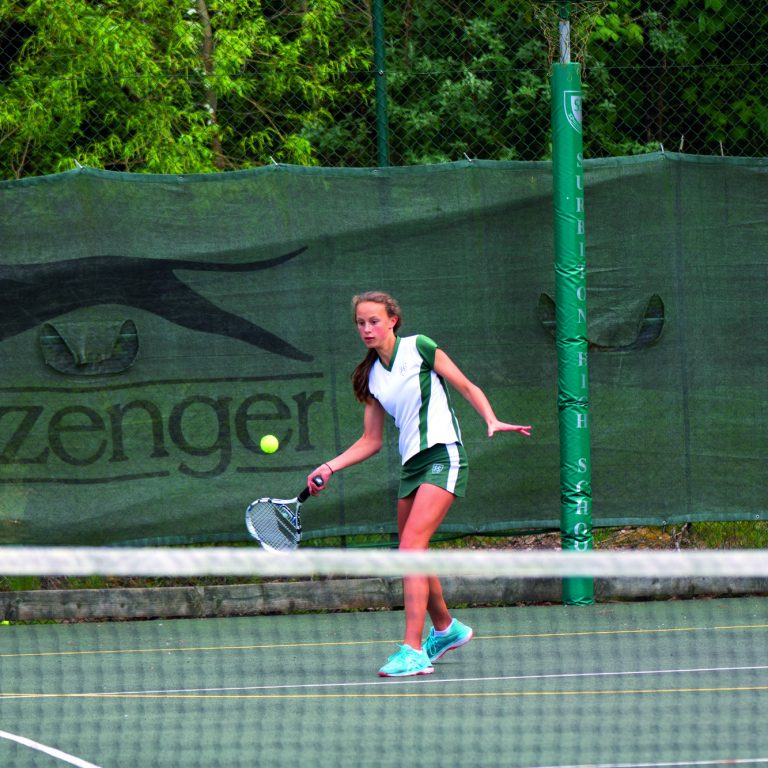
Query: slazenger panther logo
x,y
572,105
36,293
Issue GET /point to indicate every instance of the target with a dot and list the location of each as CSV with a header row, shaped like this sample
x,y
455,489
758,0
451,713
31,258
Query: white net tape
x,y
242,561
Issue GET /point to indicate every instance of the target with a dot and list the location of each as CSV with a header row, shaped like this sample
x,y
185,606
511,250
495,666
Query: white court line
x,y
676,764
395,681
57,753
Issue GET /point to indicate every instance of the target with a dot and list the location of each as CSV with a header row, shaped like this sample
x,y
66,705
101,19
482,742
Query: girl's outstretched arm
x,y
368,444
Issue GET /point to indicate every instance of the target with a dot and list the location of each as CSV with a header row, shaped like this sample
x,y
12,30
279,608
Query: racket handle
x,y
304,495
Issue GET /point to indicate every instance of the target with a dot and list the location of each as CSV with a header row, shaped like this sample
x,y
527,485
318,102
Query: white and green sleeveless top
x,y
415,396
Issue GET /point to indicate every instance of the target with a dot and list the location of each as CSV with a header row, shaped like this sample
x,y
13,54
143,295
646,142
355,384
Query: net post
x,y
571,313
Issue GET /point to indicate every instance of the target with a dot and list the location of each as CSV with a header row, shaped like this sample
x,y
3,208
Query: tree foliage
x,y
683,73
170,87
181,86
464,77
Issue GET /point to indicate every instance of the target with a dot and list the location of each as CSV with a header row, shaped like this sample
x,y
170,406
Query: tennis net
x,y
227,656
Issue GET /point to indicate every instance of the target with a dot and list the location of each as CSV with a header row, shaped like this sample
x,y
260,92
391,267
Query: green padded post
x,y
571,319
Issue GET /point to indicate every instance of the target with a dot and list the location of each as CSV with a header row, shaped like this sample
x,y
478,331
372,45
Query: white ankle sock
x,y
443,632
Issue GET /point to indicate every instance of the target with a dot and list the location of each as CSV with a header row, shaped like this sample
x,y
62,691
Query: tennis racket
x,y
276,523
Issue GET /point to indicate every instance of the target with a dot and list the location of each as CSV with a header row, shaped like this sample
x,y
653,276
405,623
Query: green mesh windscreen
x,y
155,327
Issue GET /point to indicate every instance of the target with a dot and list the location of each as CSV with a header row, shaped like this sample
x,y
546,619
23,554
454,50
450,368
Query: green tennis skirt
x,y
442,465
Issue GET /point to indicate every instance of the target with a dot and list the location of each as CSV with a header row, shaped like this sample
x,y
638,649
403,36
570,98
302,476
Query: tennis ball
x,y
269,444
5,622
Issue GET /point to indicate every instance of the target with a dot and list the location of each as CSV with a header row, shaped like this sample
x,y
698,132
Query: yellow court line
x,y
744,626
192,649
382,695
340,643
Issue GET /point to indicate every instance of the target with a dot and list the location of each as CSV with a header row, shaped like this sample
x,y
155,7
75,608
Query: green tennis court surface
x,y
672,683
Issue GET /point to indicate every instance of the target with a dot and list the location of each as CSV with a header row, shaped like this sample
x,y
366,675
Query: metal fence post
x,y
379,63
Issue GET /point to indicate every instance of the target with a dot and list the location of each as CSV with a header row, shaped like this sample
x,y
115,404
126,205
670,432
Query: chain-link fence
x,y
199,85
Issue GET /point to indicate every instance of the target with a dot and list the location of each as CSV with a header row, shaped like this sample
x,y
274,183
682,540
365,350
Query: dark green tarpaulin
x,y
153,328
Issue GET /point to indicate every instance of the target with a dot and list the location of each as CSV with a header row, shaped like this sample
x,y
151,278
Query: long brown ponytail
x,y
363,370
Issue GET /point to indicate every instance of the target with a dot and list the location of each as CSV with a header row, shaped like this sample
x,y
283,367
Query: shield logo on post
x,y
572,104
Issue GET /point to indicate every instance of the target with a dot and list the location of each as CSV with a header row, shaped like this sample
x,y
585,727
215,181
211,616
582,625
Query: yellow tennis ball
x,y
269,444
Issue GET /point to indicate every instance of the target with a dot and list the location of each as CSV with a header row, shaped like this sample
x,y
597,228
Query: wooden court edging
x,y
334,595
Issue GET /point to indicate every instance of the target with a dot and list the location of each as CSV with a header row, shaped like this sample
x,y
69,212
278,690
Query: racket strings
x,y
275,525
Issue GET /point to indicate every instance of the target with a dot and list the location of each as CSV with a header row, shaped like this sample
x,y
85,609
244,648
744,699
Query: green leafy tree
x,y
688,75
203,85
169,87
466,79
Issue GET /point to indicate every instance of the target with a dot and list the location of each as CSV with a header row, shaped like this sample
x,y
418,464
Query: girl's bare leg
x,y
418,517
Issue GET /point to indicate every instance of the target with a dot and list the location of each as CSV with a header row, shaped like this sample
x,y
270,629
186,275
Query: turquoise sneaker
x,y
437,646
407,661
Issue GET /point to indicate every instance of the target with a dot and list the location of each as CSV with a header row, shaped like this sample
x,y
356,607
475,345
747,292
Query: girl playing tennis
x,y
405,378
